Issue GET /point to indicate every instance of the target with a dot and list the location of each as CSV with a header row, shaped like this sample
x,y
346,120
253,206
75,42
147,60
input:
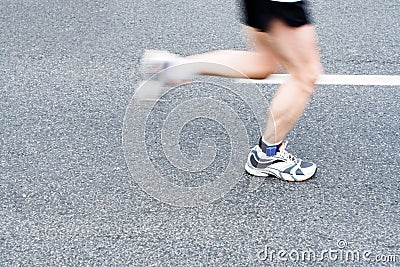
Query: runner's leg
x,y
257,64
296,49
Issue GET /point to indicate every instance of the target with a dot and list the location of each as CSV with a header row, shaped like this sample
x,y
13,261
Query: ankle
x,y
268,148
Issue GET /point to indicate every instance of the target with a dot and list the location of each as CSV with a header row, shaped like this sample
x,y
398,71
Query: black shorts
x,y
259,13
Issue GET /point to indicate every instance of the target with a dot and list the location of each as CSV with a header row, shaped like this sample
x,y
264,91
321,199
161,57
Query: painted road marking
x,y
385,80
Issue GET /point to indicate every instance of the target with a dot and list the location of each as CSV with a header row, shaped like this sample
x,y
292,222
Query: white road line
x,y
385,80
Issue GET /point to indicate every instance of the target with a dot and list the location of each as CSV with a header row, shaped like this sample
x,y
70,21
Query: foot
x,y
283,165
159,68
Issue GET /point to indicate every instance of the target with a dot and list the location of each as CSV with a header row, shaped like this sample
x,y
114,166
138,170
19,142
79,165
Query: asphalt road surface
x,y
68,70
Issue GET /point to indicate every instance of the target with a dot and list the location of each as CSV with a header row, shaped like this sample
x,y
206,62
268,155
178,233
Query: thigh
x,y
258,42
295,47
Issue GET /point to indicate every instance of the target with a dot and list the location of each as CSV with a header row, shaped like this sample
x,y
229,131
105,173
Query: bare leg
x,y
257,64
296,49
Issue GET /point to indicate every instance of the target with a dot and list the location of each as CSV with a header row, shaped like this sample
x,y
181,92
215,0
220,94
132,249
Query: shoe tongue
x,y
282,146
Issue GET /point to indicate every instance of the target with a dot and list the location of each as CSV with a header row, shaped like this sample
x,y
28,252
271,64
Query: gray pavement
x,y
68,70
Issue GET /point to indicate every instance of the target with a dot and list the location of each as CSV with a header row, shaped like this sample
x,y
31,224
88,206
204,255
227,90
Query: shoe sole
x,y
258,173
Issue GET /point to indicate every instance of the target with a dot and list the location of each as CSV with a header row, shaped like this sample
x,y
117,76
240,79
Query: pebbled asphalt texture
x,y
68,70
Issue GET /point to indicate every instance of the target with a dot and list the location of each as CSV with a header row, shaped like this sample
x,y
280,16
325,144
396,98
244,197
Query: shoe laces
x,y
283,153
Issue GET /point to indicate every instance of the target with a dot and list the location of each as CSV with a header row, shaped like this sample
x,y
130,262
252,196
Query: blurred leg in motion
x,y
282,36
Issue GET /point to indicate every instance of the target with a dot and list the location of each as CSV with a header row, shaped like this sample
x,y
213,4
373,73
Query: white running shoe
x,y
159,68
283,165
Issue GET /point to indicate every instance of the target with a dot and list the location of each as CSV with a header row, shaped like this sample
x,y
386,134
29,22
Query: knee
x,y
308,77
